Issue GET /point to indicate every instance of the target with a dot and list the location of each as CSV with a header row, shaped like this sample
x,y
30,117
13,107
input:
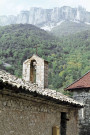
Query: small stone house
x,y
81,93
29,107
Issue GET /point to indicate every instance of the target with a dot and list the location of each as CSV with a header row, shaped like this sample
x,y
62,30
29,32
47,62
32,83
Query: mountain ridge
x,y
47,18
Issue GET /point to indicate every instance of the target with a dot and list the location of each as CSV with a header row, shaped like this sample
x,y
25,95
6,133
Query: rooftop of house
x,y
83,82
6,80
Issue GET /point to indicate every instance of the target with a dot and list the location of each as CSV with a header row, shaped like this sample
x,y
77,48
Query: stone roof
x,y
7,78
83,82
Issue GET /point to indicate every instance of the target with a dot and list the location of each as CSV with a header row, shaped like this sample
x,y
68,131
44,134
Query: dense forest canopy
x,y
68,56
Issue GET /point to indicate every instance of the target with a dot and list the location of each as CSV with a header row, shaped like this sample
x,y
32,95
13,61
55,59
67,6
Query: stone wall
x,y
33,116
83,96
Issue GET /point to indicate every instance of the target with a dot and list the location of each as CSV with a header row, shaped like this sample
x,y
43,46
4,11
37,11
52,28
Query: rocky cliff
x,y
47,18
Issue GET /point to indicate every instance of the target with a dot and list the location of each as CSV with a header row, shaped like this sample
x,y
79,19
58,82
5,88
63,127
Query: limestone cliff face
x,y
47,17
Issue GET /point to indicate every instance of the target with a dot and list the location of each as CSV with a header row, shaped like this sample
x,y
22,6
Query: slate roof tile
x,y
27,86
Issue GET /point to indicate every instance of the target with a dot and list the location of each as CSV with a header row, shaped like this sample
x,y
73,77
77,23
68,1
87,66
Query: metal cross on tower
x,y
36,49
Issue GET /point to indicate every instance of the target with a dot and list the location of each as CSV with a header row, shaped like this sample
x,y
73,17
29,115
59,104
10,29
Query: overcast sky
x,y
8,7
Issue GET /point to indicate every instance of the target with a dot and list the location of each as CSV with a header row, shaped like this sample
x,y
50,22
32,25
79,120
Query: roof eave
x,y
5,85
70,89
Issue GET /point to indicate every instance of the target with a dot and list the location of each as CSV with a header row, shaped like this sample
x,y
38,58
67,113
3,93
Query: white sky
x,y
9,7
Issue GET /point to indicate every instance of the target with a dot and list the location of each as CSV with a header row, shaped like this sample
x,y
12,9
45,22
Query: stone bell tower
x,y
35,70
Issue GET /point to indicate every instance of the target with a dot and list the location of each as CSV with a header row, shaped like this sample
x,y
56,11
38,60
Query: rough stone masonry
x,y
33,117
83,96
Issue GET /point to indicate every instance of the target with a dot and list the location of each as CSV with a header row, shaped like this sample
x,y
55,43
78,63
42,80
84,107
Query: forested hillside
x,y
69,57
68,28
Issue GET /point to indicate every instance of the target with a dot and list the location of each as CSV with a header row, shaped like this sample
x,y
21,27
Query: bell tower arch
x,y
33,71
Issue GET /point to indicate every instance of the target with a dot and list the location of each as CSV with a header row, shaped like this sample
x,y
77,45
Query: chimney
x,y
35,70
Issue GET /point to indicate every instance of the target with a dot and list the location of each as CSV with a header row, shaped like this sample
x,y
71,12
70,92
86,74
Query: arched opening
x,y
33,71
